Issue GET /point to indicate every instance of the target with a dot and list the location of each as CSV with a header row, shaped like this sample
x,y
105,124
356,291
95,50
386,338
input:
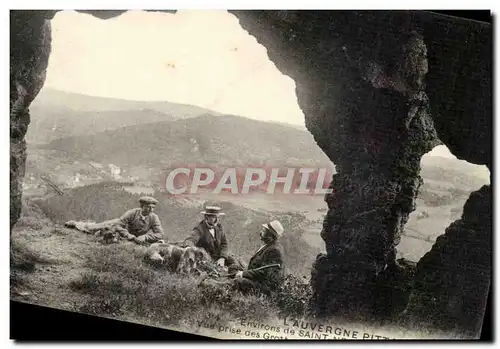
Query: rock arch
x,y
379,90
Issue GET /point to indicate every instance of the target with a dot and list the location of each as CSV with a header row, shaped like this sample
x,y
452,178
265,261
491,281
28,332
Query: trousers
x,y
233,264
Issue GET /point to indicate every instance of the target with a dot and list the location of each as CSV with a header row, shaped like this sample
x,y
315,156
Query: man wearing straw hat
x,y
210,235
141,225
265,269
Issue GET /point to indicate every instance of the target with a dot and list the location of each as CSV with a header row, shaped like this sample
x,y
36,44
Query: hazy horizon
x,y
197,57
440,150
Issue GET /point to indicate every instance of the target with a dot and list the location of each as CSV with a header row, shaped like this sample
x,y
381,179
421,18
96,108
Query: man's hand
x,y
239,275
130,237
140,240
220,262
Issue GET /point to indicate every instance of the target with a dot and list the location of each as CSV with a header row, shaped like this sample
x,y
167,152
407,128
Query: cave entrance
x,y
447,184
338,270
109,81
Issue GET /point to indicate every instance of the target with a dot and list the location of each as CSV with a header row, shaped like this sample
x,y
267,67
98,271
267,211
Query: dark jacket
x,y
270,277
201,237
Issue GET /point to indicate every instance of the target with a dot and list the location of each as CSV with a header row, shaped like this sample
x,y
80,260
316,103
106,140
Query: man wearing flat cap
x,y
265,270
209,235
142,225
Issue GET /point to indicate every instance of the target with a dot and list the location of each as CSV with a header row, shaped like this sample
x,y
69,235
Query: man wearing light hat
x,y
209,235
265,269
142,225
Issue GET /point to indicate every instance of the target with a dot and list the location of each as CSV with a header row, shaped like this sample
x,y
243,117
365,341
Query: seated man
x,y
141,225
261,275
210,236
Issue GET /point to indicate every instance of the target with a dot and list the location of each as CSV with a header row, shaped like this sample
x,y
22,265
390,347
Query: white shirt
x,y
212,232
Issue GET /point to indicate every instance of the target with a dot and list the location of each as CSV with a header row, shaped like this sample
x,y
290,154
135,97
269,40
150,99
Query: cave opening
x,y
447,184
112,79
124,66
379,173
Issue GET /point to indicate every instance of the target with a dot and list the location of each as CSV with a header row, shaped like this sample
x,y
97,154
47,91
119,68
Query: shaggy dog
x,y
177,259
108,235
191,259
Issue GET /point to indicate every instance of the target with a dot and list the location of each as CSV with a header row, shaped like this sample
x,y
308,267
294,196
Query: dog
x,y
108,235
191,259
177,259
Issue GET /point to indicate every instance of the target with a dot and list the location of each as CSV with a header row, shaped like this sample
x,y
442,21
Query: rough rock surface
x,y
377,89
459,85
452,280
374,105
30,39
360,84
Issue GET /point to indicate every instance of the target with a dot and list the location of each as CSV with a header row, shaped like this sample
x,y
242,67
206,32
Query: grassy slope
x,y
65,269
76,273
62,268
107,201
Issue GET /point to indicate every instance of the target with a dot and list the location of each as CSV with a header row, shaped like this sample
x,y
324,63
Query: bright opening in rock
x,y
448,183
125,98
200,58
126,101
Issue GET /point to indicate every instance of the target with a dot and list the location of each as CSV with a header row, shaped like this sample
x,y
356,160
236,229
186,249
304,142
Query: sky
x,y
201,58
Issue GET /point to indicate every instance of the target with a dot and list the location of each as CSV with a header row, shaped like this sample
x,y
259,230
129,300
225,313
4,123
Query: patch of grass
x,y
119,282
293,299
59,231
32,216
23,261
104,306
30,222
22,258
16,280
88,282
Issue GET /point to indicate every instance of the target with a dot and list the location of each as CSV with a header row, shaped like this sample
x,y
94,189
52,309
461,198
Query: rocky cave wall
x,y
379,90
360,84
30,43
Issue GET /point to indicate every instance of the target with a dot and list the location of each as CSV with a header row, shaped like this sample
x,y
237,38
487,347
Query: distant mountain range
x,y
451,172
69,131
206,139
51,98
58,114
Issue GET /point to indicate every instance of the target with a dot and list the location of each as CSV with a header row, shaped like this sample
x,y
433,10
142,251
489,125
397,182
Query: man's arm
x,y
127,217
158,233
124,220
223,245
272,257
193,239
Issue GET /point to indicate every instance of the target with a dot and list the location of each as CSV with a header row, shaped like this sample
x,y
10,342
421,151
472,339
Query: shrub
x,y
87,282
292,300
110,306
